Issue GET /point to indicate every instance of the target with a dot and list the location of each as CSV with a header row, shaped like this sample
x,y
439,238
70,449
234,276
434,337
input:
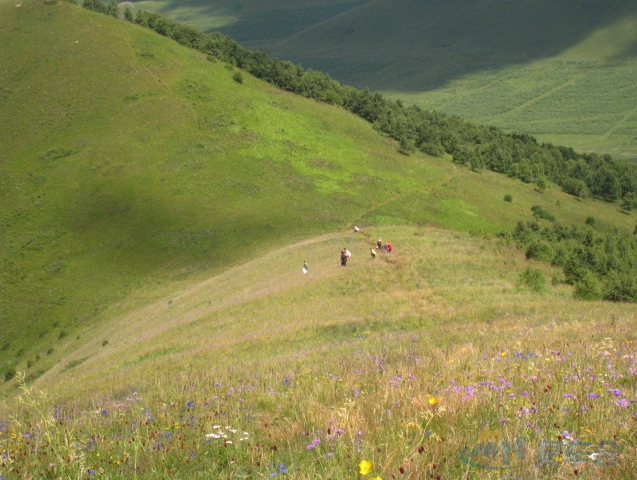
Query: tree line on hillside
x,y
475,146
600,265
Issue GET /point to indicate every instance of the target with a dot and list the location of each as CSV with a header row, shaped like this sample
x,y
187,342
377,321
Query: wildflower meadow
x,y
530,411
431,362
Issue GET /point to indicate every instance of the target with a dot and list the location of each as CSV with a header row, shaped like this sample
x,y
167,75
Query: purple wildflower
x,y
622,403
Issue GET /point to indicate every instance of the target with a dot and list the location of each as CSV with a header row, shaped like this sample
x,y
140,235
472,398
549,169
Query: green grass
x,y
155,218
152,166
585,104
162,168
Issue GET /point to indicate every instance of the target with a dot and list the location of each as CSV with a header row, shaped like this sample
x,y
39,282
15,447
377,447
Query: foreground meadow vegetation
x,y
434,361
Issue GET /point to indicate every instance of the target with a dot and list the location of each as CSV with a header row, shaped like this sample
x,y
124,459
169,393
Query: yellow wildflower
x,y
365,466
433,401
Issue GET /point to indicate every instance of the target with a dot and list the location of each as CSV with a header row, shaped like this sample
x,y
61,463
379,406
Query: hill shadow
x,y
413,45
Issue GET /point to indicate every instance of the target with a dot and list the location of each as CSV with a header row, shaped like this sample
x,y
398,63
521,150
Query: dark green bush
x,y
534,278
621,287
540,250
9,374
237,77
540,212
588,288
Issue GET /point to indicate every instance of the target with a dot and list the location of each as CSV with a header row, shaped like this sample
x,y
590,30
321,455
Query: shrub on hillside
x,y
540,250
540,212
9,374
621,287
575,187
588,288
433,149
629,202
534,278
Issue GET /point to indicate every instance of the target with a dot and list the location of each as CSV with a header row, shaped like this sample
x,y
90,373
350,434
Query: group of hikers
x,y
345,253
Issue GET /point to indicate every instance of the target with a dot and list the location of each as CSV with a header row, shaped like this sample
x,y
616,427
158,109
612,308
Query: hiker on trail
x,y
356,229
379,244
345,254
372,252
389,247
305,269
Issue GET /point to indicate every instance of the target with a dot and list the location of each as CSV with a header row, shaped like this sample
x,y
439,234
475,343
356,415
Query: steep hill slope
x,y
131,163
127,159
559,70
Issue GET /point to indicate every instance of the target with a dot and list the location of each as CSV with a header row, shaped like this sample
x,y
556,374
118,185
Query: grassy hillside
x,y
560,71
414,361
134,160
155,216
131,164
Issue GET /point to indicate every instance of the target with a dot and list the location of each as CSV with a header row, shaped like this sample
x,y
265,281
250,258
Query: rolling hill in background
x,y
561,71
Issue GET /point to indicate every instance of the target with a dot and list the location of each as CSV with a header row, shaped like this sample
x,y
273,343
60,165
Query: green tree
x,y
128,14
575,187
588,287
629,202
534,278
606,184
541,183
